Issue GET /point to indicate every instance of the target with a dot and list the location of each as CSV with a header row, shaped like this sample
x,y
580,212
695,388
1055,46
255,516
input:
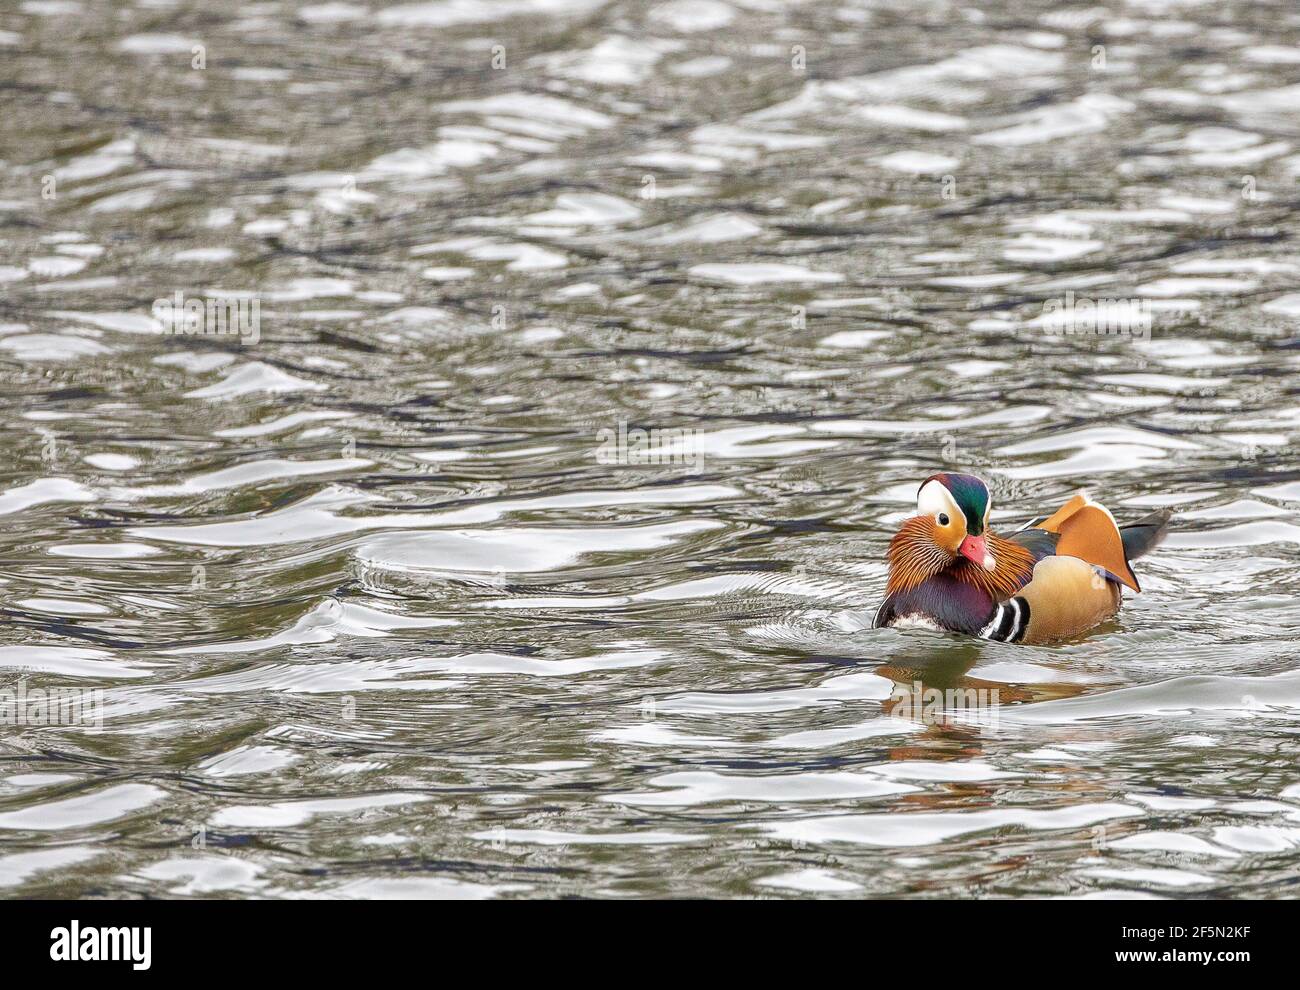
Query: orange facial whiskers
x,y
915,557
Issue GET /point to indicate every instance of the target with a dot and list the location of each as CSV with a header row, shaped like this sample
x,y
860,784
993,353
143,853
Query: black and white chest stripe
x,y
1009,622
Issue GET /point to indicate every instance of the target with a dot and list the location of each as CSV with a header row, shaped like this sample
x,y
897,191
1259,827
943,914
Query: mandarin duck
x,y
1052,580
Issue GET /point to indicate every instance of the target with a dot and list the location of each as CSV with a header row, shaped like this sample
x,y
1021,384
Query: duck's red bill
x,y
973,549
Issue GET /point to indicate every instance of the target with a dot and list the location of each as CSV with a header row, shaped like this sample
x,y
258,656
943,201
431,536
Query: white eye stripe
x,y
933,498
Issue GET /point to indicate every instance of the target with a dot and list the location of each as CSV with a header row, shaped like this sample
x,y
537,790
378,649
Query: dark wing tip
x,y
1146,534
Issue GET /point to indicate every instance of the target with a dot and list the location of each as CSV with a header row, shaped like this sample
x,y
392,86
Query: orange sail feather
x,y
1089,532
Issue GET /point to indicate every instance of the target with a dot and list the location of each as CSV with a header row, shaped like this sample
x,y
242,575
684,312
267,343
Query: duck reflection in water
x,y
932,686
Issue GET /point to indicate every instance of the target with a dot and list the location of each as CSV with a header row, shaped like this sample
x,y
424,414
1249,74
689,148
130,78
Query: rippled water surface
x,y
380,603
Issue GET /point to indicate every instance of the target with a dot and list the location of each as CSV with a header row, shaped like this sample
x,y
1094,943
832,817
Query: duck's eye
x,y
943,519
